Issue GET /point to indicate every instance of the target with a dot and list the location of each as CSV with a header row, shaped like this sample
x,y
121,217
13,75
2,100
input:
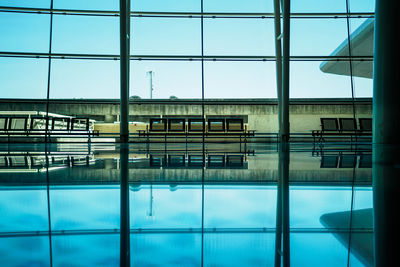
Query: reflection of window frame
x,y
190,121
210,122
365,161
10,121
159,120
234,120
182,122
5,123
79,120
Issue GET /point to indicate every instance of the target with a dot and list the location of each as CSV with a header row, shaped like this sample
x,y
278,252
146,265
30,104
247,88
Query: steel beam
x,y
284,128
278,53
124,68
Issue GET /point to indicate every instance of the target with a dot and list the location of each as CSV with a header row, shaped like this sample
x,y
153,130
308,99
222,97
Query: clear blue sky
x,y
178,36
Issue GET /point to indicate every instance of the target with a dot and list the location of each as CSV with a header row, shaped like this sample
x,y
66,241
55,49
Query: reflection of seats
x,y
347,127
177,125
196,125
348,161
329,161
365,161
234,124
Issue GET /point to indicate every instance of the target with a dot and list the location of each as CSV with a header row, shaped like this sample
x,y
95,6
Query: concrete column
x,y
386,107
386,132
124,69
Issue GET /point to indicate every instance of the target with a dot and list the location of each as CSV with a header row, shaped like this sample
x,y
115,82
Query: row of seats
x,y
196,125
346,124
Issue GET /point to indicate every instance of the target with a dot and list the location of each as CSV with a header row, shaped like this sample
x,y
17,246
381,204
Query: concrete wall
x,y
261,114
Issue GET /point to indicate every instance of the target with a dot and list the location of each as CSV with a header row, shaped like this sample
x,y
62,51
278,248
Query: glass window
x,y
316,79
362,5
250,6
24,32
26,3
166,5
179,79
316,37
23,77
239,37
72,78
165,36
317,6
85,34
87,4
251,79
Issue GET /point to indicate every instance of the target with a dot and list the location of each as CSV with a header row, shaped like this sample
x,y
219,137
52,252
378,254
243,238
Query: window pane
x,y
87,4
254,6
80,34
239,37
84,79
181,79
166,5
307,80
24,32
362,5
165,36
23,77
26,3
326,6
316,37
240,79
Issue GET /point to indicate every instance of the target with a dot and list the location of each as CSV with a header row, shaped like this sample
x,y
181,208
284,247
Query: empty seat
x,y
216,125
234,124
329,124
365,124
176,125
158,124
347,124
196,125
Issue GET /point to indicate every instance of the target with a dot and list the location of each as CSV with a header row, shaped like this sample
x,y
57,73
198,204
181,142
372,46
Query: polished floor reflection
x,y
217,205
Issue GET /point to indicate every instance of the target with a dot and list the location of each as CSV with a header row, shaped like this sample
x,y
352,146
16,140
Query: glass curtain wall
x,y
183,50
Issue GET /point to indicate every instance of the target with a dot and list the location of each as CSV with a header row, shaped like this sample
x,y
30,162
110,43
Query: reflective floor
x,y
217,205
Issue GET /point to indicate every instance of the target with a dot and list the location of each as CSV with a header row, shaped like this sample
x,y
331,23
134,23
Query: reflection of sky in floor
x,y
228,213
166,220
